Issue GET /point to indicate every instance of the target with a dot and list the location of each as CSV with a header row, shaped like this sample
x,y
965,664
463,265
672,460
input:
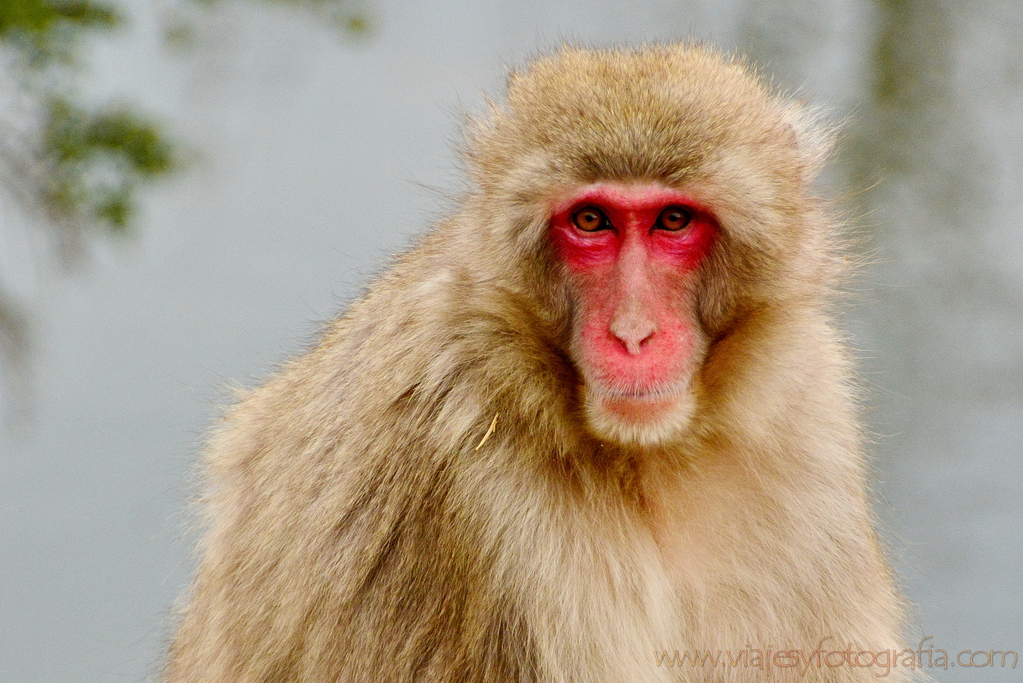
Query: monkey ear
x,y
811,133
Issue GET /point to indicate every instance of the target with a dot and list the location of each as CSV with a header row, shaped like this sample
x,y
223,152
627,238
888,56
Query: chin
x,y
639,418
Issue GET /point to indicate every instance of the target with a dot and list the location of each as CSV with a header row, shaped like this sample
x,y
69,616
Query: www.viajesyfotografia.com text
x,y
827,655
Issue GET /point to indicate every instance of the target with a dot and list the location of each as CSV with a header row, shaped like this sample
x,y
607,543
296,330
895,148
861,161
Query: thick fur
x,y
361,528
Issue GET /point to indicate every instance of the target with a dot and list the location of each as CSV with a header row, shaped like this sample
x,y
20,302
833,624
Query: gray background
x,y
316,155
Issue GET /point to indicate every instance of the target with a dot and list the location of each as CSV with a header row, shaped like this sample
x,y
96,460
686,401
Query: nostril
x,y
636,347
634,332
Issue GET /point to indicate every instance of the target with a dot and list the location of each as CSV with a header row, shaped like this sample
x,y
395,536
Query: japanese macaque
x,y
599,414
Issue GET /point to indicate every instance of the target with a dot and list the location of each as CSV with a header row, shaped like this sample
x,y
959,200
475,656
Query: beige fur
x,y
355,532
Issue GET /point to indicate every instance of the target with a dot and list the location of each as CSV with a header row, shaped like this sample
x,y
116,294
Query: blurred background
x,y
188,188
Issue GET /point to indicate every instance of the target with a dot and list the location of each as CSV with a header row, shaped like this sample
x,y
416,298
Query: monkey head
x,y
660,209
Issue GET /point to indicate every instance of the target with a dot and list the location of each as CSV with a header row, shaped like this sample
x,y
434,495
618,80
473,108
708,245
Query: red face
x,y
633,252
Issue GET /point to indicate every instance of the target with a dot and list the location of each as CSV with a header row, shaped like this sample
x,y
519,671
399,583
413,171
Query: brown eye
x,y
590,219
674,218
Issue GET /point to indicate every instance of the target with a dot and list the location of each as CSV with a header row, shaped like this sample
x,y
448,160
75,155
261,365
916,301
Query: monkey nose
x,y
633,331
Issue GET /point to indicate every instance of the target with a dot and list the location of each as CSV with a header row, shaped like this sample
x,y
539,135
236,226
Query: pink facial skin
x,y
636,330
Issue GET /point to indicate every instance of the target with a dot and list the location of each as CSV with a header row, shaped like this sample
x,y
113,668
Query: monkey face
x,y
633,253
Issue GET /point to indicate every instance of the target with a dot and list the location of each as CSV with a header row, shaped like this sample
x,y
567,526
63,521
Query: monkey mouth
x,y
641,416
637,406
661,394
658,393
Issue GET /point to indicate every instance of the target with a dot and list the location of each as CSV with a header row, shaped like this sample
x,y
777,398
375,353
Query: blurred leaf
x,y
91,162
47,29
97,159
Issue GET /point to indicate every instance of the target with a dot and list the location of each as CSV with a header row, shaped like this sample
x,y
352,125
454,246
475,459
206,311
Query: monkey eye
x,y
590,219
674,218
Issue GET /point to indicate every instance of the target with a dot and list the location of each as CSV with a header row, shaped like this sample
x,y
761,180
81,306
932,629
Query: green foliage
x,y
46,30
92,161
97,159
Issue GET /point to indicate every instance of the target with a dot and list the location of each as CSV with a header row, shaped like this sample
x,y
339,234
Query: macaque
x,y
598,415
